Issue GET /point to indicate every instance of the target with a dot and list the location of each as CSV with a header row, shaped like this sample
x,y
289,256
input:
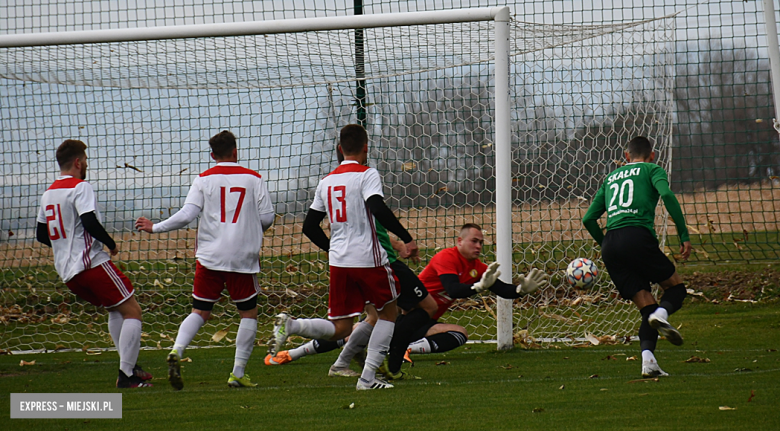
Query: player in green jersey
x,y
630,248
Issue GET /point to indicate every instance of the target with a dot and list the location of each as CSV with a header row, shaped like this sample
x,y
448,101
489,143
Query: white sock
x,y
311,328
357,342
187,331
115,320
301,351
245,342
661,312
129,345
378,345
648,356
420,346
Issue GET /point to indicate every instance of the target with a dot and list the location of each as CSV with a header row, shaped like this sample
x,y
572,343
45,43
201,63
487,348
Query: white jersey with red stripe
x,y
61,207
342,196
230,234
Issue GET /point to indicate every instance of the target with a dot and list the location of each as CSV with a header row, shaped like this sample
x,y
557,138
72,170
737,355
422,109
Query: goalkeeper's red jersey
x,y
449,261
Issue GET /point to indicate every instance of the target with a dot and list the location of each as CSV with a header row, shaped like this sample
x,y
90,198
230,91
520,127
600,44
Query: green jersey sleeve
x,y
673,207
596,209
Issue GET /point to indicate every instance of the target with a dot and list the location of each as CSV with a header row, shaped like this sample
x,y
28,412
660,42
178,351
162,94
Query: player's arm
x,y
264,207
93,227
528,283
454,288
181,218
673,207
42,234
400,247
313,230
596,209
42,230
383,214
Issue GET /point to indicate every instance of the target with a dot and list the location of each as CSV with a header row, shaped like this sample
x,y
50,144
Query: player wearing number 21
x,y
235,209
631,250
69,223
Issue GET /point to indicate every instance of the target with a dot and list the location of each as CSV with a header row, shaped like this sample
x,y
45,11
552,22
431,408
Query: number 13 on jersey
x,y
337,199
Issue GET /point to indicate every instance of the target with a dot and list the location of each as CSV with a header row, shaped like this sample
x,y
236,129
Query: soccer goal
x,y
473,116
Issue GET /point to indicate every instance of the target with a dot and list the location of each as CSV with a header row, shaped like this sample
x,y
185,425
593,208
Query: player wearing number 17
x,y
235,209
630,248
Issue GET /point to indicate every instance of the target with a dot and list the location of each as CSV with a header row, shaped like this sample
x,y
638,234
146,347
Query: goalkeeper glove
x,y
532,281
489,277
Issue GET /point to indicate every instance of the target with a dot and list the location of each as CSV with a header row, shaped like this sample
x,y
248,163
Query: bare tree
x,y
721,93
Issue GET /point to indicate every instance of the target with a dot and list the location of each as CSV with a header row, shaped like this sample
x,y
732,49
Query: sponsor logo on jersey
x,y
623,174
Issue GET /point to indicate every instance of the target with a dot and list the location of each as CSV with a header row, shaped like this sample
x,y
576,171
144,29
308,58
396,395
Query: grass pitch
x,y
473,387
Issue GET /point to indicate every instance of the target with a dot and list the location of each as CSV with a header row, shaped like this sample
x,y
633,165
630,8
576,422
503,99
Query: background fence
x,y
697,82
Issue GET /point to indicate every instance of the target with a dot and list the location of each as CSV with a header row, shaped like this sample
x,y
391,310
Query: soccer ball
x,y
581,273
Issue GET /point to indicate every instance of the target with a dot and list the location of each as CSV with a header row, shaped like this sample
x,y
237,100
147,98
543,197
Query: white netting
x,y
146,110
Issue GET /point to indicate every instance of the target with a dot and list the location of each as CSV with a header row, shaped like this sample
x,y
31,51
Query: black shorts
x,y
419,334
634,260
412,289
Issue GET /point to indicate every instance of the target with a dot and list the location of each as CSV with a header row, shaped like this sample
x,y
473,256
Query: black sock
x,y
673,297
446,341
648,337
322,346
405,326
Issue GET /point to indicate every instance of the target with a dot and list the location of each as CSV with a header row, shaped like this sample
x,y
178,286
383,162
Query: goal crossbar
x,y
500,14
501,125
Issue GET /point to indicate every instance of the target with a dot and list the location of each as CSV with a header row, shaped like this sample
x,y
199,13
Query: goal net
x,y
426,93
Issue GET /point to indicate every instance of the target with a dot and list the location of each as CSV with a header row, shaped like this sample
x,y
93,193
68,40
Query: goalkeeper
x,y
455,273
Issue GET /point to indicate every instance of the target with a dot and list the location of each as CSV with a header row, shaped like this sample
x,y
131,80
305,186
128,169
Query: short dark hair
x,y
68,151
222,144
640,148
352,139
470,226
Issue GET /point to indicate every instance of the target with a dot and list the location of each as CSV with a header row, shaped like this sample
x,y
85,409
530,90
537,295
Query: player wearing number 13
x,y
630,249
235,209
353,200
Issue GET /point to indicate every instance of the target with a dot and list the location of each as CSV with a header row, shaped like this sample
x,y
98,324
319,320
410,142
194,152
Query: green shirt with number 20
x,y
629,196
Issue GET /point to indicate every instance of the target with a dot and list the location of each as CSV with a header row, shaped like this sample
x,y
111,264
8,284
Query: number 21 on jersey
x,y
54,218
337,198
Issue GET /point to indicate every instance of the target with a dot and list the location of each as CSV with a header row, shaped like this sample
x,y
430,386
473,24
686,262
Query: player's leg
x,y
648,336
312,347
107,286
243,290
439,338
358,341
343,306
129,338
671,301
286,325
206,289
632,258
380,287
419,308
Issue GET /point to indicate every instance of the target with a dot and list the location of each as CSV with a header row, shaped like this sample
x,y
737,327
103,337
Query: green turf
x,y
473,387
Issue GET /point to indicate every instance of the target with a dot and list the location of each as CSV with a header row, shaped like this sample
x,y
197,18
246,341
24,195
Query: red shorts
x,y
352,288
209,284
102,285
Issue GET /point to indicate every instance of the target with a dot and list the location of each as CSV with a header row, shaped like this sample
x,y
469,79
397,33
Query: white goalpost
x,y
473,116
